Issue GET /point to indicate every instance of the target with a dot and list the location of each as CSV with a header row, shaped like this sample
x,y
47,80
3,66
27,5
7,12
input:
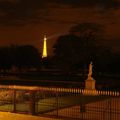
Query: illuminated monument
x,y
90,82
44,55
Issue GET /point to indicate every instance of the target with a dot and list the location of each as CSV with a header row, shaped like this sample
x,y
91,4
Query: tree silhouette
x,y
79,47
5,58
72,52
25,56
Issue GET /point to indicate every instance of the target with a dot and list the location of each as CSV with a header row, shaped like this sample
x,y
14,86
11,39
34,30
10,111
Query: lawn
x,y
52,103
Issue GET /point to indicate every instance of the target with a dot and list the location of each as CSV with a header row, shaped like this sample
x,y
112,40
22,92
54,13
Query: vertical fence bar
x,y
110,104
14,100
32,102
106,108
57,106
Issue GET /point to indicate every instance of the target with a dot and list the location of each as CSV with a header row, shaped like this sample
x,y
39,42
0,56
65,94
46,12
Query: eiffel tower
x,y
44,54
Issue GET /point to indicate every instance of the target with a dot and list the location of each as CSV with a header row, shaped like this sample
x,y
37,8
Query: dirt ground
x,y
14,116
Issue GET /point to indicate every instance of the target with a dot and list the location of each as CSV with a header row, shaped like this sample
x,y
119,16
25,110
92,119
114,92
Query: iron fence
x,y
64,103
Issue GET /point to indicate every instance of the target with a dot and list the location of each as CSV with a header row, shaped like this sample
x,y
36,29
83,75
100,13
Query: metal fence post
x,y
32,102
14,100
110,110
57,104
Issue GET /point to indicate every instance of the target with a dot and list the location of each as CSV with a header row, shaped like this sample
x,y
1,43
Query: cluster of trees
x,y
72,52
25,56
77,49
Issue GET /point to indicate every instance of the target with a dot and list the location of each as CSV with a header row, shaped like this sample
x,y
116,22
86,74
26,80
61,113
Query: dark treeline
x,y
19,57
69,56
72,53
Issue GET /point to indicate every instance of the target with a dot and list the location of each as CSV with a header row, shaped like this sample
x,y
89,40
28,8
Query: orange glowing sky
x,y
26,21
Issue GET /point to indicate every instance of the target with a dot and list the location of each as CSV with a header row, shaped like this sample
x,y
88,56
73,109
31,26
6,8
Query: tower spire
x,y
44,47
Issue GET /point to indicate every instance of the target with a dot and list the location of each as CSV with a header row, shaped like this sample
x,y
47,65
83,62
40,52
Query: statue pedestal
x,y
90,83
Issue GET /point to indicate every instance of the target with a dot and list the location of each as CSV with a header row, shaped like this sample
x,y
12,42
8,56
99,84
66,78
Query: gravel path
x,y
14,116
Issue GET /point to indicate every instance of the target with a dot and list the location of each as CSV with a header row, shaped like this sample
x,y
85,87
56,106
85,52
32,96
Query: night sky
x,y
26,21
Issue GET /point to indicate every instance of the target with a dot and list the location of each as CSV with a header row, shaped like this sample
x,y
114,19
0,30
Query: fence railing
x,y
69,103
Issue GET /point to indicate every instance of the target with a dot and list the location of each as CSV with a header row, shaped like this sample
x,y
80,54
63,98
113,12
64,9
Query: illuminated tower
x,y
44,47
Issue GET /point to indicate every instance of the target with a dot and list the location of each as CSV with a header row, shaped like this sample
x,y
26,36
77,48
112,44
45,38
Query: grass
x,y
6,107
50,104
53,103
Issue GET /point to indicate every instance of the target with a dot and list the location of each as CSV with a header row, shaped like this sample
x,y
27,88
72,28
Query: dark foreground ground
x,y
103,81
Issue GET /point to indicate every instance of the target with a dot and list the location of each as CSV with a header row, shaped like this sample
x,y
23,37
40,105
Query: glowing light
x,y
44,47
